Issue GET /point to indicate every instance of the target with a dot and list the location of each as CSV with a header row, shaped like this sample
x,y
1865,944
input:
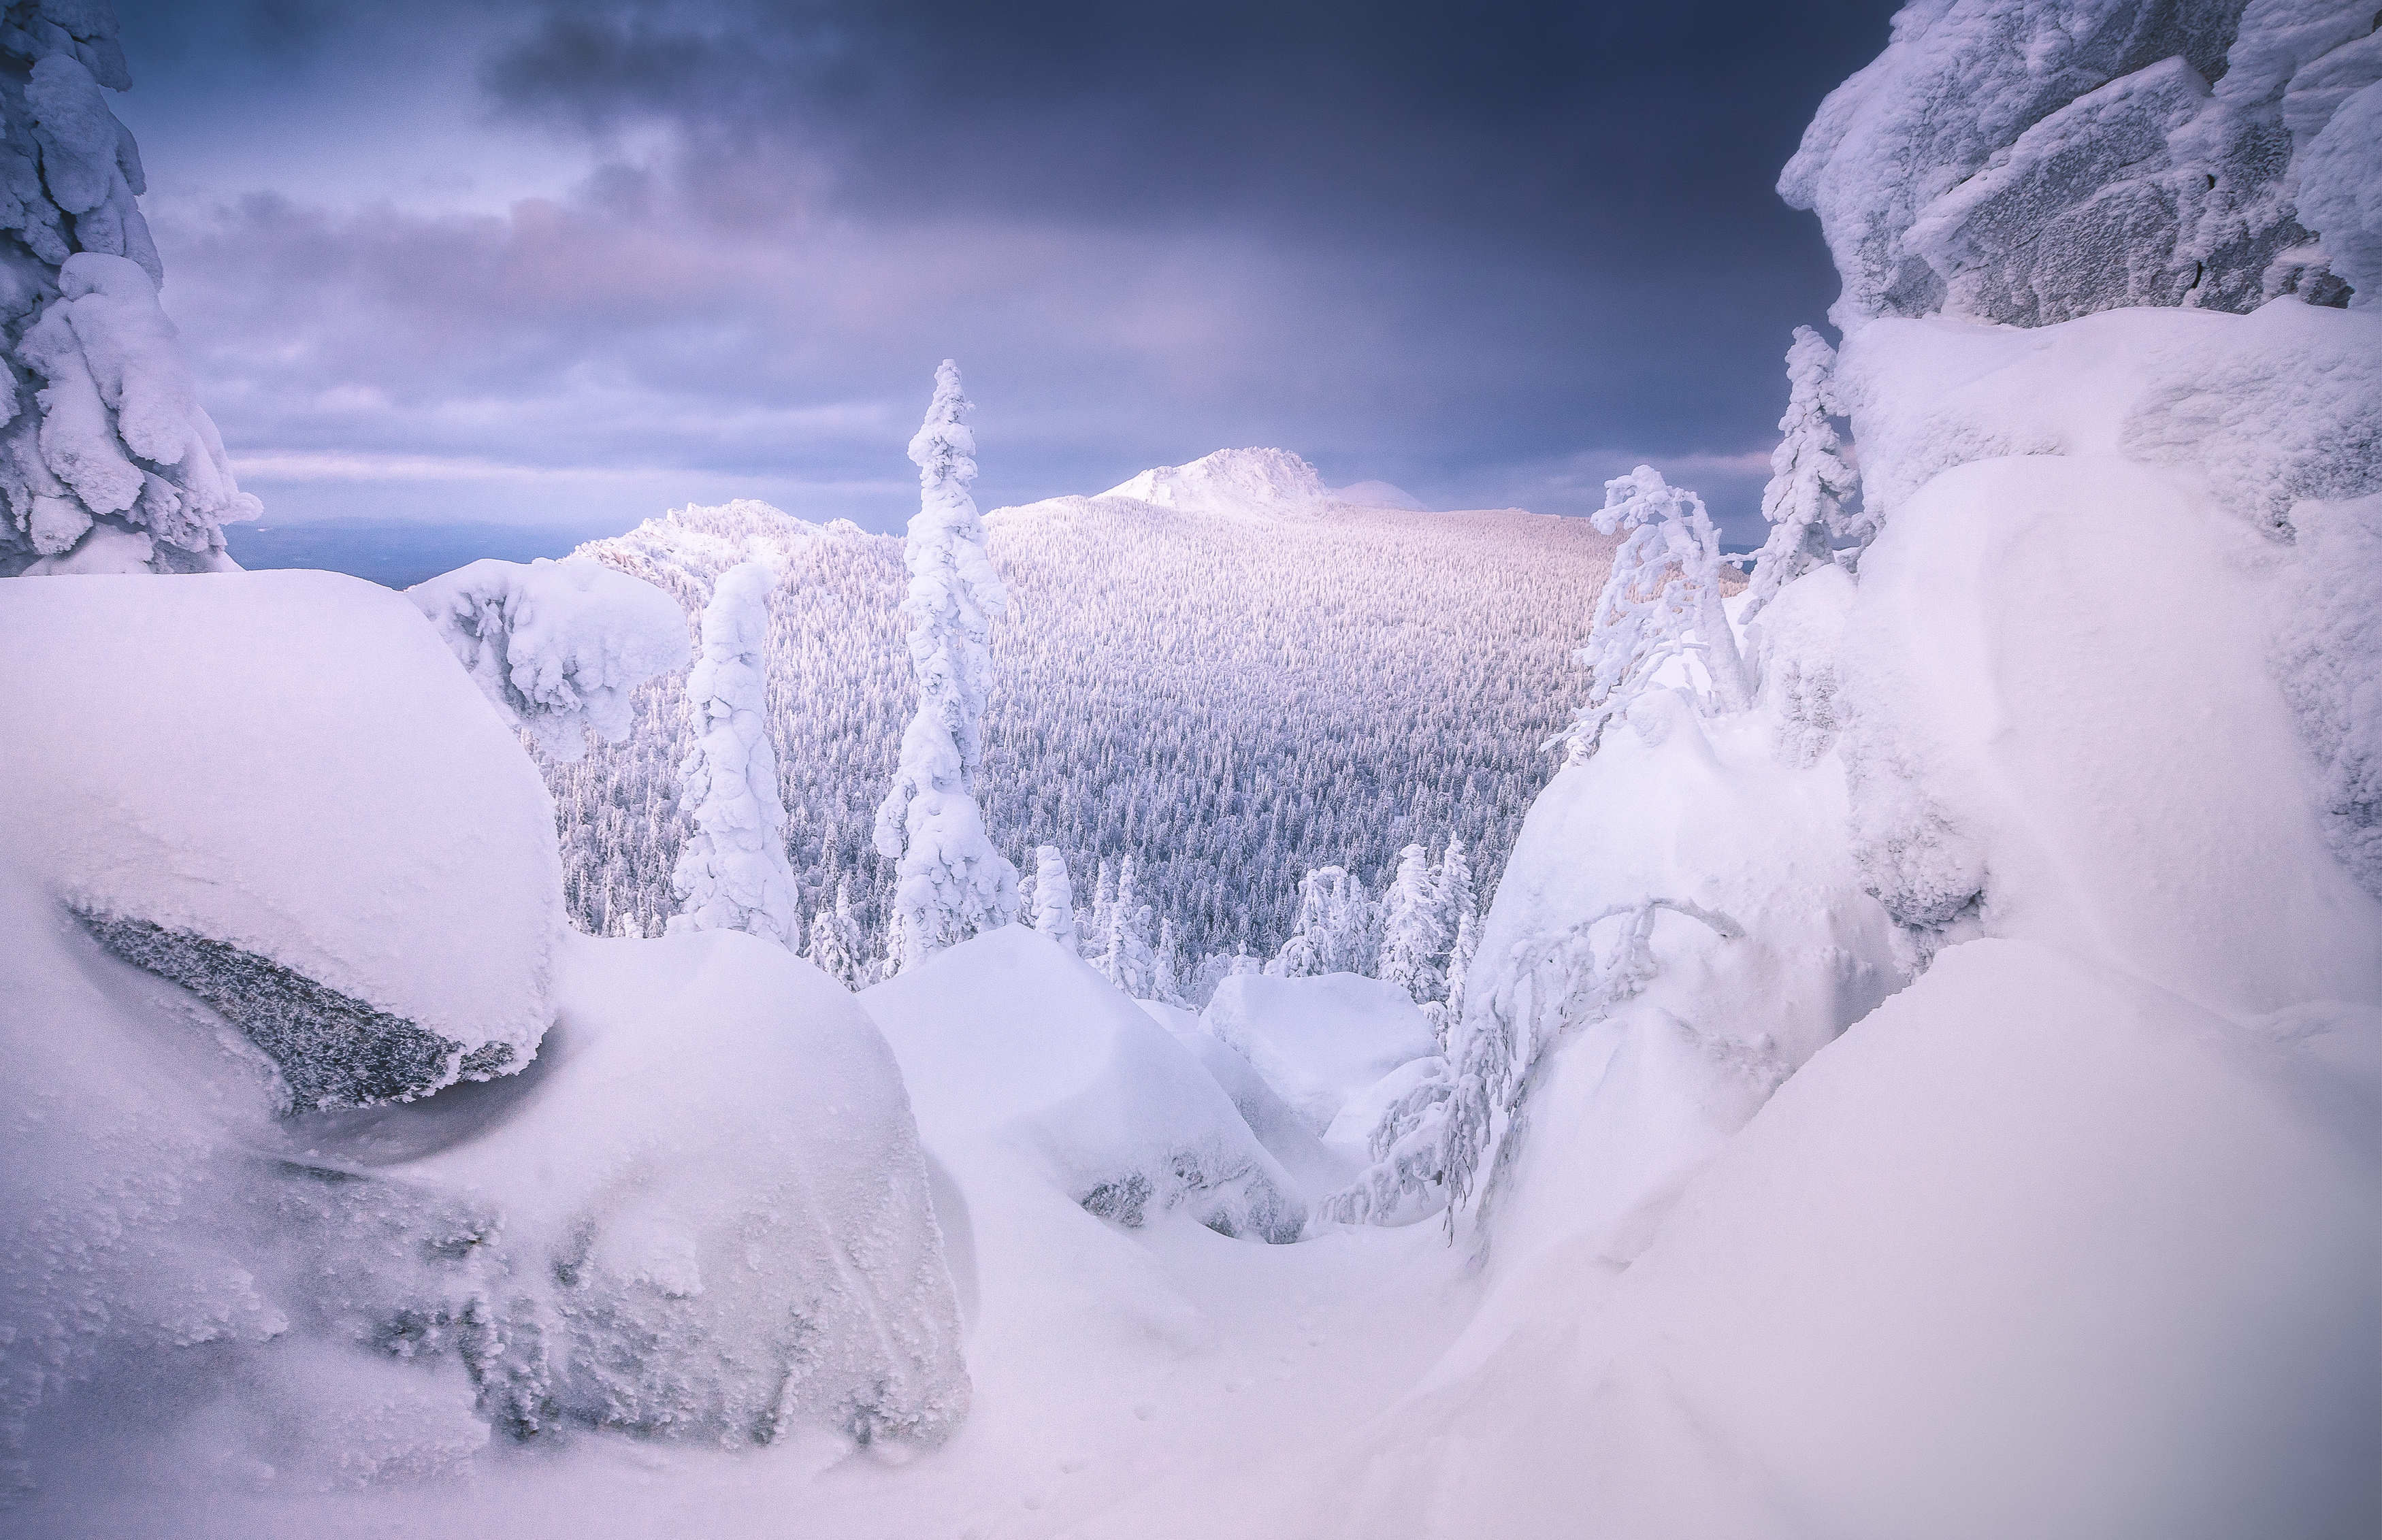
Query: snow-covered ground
x,y
1921,1073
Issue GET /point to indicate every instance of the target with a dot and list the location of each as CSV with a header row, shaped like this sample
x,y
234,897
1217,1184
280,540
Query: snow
x,y
1230,481
700,1211
952,882
2033,162
107,461
732,872
2035,1249
291,766
1321,1040
557,646
1036,1081
2339,176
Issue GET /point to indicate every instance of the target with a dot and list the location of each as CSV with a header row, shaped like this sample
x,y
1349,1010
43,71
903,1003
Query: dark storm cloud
x,y
1491,254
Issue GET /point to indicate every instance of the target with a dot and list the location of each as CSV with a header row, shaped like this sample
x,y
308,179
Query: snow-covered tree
x,y
1166,967
1460,906
1054,900
1414,929
837,945
1662,601
732,872
1808,477
1335,928
951,882
1128,959
109,462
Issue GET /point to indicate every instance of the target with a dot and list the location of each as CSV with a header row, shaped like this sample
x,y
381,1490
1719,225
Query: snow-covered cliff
x,y
2032,161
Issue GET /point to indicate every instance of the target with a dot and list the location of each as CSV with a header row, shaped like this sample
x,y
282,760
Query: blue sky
x,y
574,263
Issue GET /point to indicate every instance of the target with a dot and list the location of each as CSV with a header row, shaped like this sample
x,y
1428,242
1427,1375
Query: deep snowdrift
x,y
2078,1233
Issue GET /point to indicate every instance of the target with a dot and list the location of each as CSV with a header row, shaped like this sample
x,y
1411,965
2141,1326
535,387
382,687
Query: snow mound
x,y
2033,162
702,1213
1318,1041
2122,778
2040,1249
1026,1065
2186,434
280,792
557,646
1230,481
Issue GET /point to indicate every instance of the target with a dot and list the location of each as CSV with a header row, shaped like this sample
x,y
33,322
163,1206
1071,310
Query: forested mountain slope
x,y
1240,681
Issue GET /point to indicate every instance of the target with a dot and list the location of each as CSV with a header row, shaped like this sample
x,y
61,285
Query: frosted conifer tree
x,y
109,463
951,882
1334,931
1459,900
1128,959
1808,477
1166,968
836,940
1662,601
732,872
1054,900
1092,924
1414,931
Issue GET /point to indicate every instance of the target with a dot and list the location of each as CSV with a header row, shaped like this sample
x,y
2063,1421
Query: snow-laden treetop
x,y
106,459
2032,161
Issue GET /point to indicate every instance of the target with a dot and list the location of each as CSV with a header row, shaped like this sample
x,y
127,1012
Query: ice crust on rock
x,y
107,460
2033,162
293,800
557,647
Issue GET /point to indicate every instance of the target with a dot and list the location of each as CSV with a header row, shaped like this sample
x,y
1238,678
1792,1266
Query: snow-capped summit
x,y
1379,494
1236,479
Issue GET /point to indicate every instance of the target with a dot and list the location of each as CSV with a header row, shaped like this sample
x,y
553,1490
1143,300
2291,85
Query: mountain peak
x,y
1259,480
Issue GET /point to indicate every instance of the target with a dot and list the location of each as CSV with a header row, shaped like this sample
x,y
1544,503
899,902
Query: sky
x,y
576,263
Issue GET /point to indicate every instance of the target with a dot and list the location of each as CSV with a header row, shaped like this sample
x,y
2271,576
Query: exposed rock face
x,y
2032,161
332,1049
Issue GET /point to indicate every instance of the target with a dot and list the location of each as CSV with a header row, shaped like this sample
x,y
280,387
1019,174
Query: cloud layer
x,y
555,262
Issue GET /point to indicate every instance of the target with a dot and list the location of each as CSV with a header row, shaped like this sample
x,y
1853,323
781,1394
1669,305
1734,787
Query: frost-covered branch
x,y
951,882
1431,1143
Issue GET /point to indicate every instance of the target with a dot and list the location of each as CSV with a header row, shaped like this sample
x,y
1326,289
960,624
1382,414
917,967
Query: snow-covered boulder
x,y
1322,1039
2035,1249
2032,161
274,856
557,646
1024,1064
701,1213
277,790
